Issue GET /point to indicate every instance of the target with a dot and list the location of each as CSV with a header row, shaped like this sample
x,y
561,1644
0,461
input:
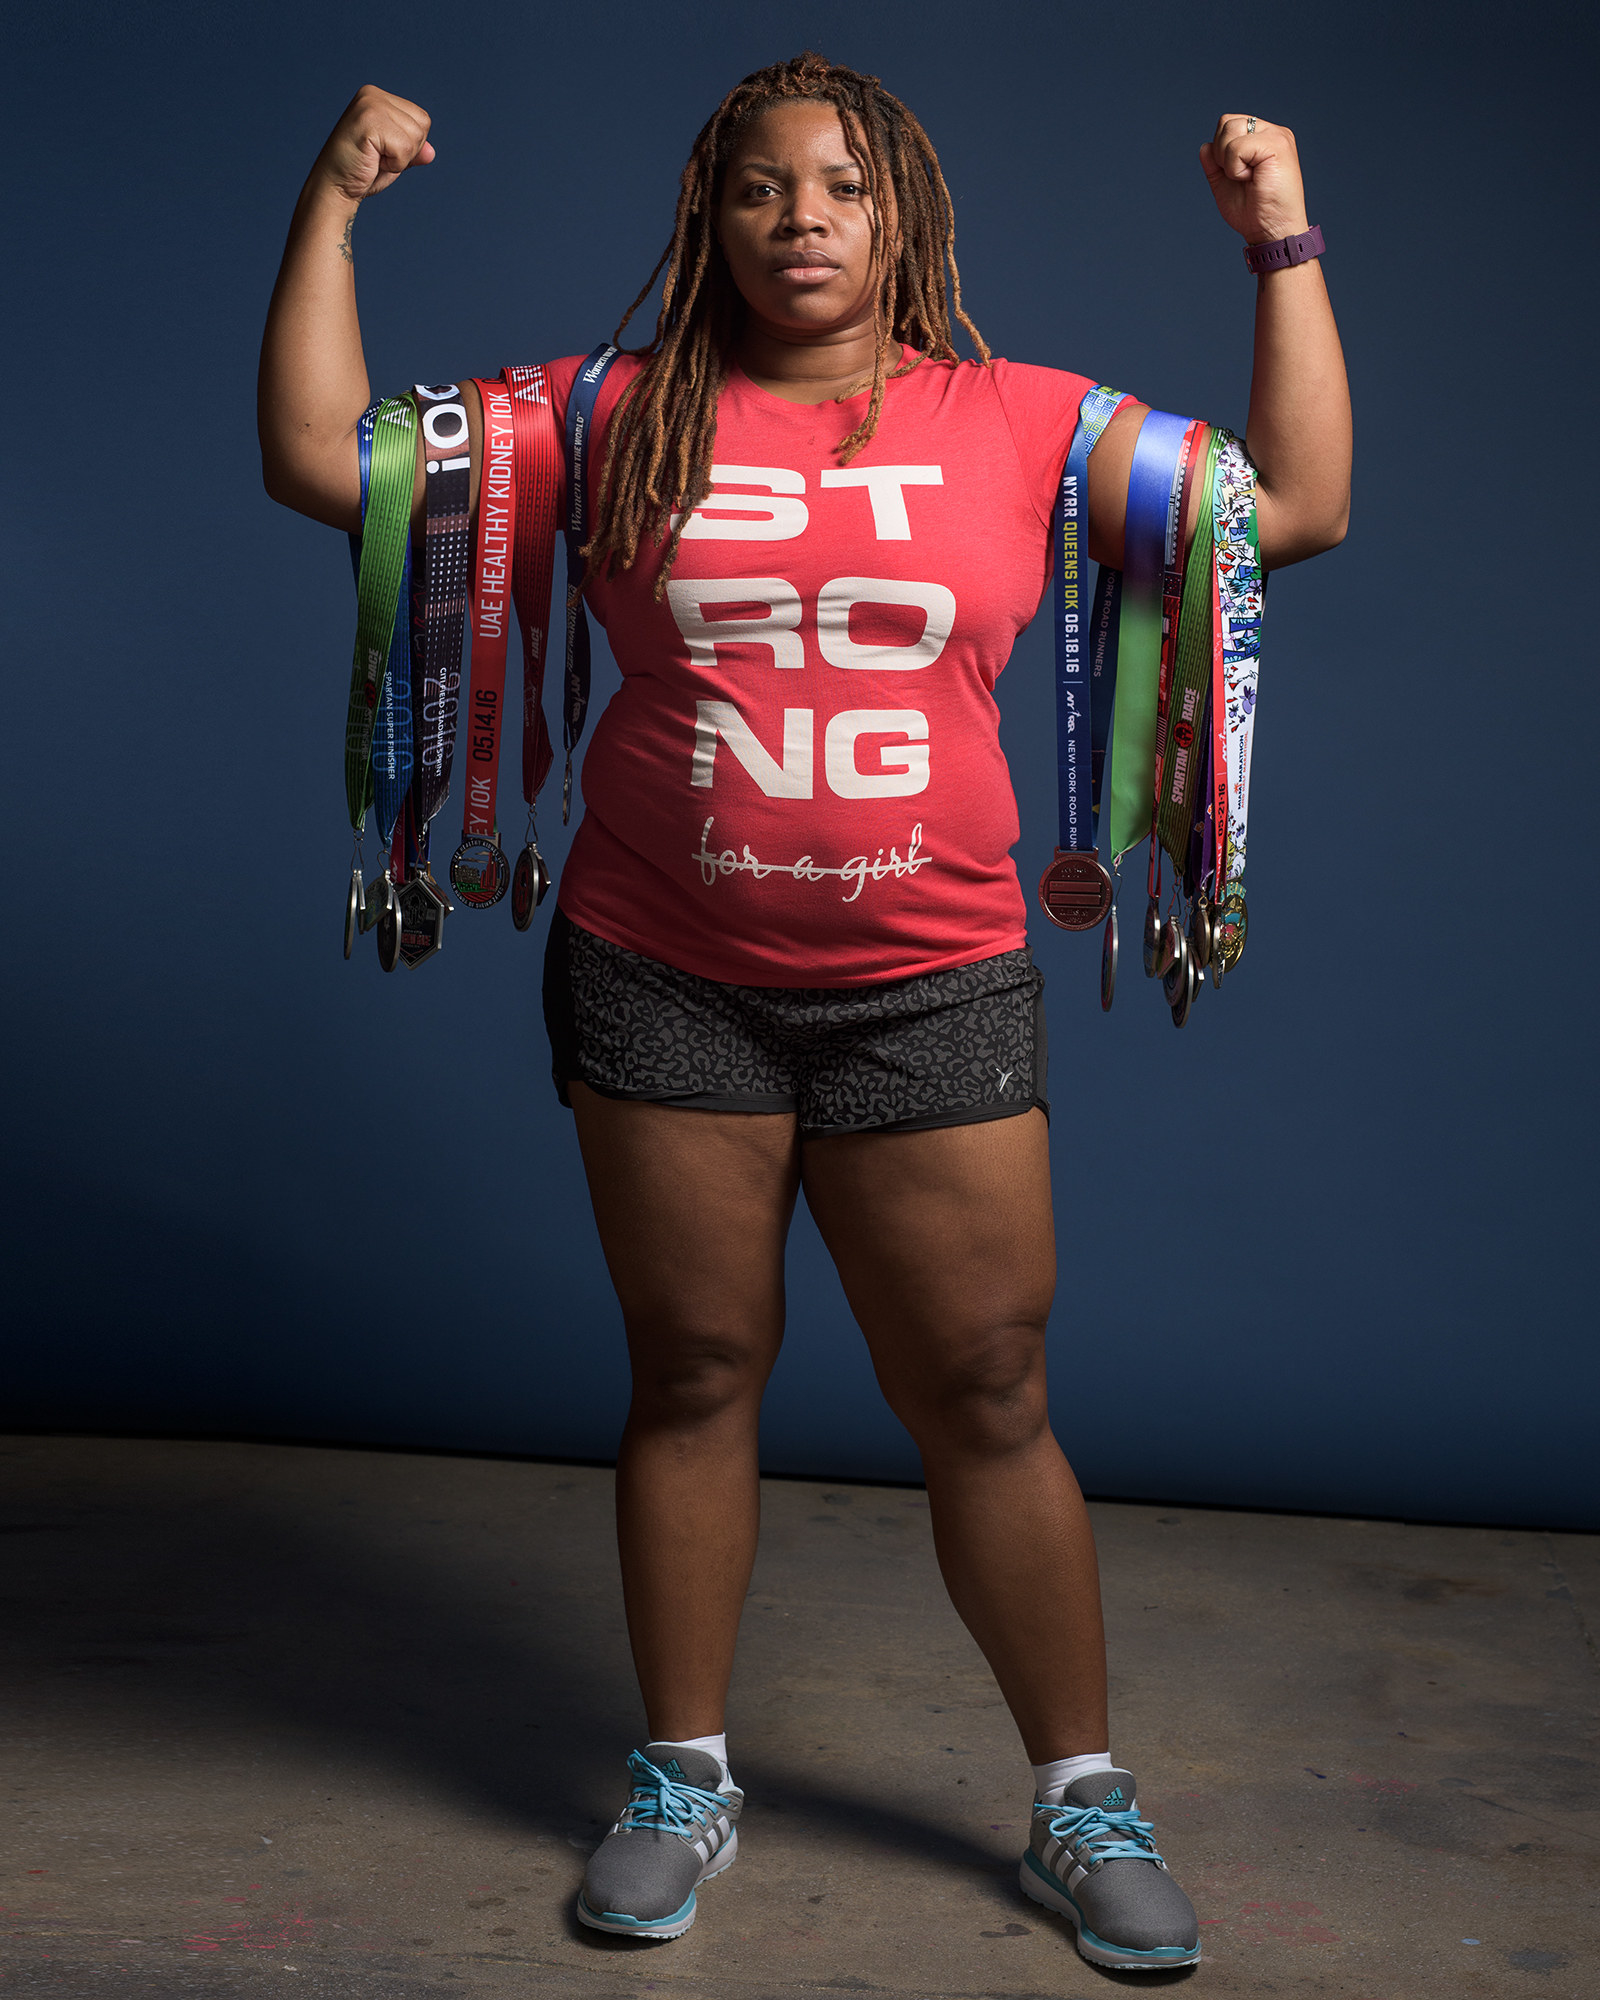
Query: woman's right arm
x,y
313,382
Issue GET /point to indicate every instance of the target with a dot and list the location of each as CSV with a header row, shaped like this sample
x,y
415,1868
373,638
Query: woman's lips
x,y
806,274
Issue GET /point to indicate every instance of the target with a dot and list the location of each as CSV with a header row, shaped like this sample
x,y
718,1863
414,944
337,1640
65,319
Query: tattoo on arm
x,y
346,248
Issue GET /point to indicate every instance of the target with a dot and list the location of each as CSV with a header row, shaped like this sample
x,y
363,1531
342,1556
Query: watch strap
x,y
1286,252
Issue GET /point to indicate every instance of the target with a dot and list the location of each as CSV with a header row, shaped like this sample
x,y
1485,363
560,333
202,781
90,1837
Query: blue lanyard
x,y
391,733
1074,705
1149,518
584,395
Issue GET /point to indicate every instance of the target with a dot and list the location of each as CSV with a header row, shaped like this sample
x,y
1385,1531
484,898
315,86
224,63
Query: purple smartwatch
x,y
1287,251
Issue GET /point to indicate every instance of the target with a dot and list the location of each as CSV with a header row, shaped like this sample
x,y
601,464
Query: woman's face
x,y
795,222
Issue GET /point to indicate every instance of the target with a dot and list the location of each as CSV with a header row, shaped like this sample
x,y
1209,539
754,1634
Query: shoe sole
x,y
1120,1958
661,1928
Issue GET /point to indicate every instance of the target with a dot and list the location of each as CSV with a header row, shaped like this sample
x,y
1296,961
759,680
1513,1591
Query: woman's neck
x,y
811,368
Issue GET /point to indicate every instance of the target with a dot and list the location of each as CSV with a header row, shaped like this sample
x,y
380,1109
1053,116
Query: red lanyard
x,y
491,613
537,459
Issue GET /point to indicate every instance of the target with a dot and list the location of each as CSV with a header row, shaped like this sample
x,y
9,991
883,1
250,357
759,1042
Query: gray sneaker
x,y
676,1831
1092,1859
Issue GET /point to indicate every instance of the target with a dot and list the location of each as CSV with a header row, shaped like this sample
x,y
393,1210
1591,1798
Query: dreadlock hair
x,y
663,435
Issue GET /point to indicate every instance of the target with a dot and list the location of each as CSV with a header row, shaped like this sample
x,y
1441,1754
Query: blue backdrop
x,y
1325,1249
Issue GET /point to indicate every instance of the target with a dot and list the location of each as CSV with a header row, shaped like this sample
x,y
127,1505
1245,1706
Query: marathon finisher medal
x,y
530,884
479,872
1075,890
1108,962
422,914
1230,922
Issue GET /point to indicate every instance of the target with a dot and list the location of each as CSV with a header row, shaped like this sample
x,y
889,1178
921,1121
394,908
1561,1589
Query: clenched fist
x,y
1255,177
378,137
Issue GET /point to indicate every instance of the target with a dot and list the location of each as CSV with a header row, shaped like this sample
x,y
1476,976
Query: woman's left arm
x,y
1299,426
1298,431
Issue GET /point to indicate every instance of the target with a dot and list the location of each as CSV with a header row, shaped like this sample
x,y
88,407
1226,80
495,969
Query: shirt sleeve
x,y
1041,408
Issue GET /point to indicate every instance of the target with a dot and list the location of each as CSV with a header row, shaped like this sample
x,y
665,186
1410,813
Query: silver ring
x,y
1250,124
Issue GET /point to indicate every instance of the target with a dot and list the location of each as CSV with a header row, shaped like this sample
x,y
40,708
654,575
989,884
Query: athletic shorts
x,y
906,1055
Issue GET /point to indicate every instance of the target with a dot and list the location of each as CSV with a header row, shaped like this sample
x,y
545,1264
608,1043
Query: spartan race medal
x,y
1230,925
1075,890
1108,962
479,872
530,884
354,911
422,914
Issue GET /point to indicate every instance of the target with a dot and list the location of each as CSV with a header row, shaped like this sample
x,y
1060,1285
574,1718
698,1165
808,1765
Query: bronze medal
x,y
422,914
479,872
530,884
1075,890
1108,962
1229,927
355,905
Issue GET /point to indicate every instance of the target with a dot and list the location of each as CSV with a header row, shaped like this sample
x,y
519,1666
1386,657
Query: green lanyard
x,y
383,546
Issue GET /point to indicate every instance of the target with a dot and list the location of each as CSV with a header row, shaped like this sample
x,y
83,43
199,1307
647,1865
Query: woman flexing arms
x,y
790,947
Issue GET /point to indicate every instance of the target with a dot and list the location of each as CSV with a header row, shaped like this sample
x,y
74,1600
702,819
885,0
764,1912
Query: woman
x,y
790,951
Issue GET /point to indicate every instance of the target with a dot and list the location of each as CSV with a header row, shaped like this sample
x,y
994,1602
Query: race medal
x,y
388,928
1075,890
377,897
1152,940
530,884
1179,987
479,872
1174,947
422,914
1230,925
354,909
1200,931
1108,962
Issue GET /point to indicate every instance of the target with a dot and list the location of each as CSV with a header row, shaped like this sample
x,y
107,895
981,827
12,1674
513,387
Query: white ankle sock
x,y
1051,1780
713,1746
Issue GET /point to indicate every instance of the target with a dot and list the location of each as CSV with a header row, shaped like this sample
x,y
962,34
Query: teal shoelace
x,y
667,1804
1107,1836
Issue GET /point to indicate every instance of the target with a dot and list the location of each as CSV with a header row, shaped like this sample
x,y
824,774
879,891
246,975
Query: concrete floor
x,y
345,1724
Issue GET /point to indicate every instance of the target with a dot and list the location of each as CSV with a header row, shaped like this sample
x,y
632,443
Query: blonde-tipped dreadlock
x,y
663,435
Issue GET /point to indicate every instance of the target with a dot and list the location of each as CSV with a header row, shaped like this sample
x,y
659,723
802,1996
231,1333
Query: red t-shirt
x,y
800,781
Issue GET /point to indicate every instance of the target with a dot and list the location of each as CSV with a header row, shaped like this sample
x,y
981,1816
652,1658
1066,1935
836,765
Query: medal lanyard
x,y
580,425
1241,595
1078,805
436,689
391,469
391,734
1180,748
491,615
1153,504
537,461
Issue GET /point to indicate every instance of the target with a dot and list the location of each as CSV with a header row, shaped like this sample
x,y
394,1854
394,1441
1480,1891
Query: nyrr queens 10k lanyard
x,y
436,690
1075,890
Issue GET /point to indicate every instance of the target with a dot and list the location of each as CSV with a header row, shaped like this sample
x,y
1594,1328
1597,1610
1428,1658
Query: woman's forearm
x,y
1299,427
313,381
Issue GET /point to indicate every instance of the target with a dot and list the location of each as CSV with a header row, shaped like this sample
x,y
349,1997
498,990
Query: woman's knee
x,y
685,1376
983,1392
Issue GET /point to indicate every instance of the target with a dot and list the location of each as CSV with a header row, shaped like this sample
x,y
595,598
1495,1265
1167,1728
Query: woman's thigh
x,y
945,1243
693,1208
